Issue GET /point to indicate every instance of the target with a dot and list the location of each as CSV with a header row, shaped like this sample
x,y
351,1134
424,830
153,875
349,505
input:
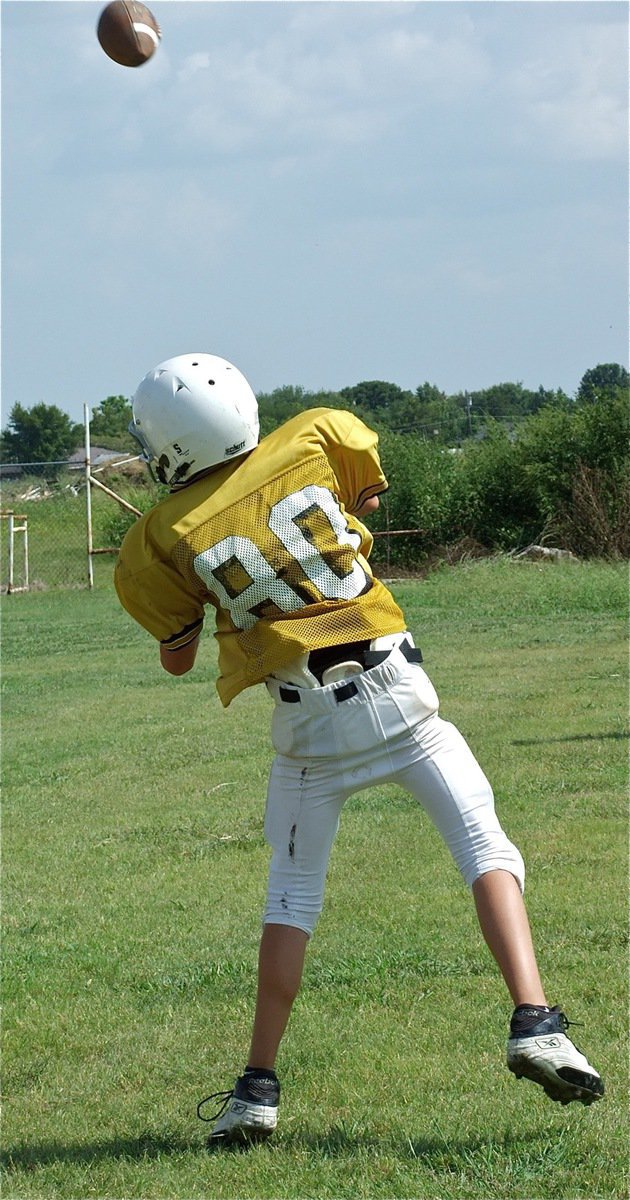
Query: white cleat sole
x,y
552,1061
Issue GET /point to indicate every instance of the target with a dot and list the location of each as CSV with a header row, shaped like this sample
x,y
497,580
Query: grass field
x,y
134,875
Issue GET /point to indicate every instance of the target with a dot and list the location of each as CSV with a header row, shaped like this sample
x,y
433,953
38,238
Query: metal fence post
x,y
11,558
88,498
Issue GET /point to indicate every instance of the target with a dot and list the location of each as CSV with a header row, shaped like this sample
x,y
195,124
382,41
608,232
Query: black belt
x,y
328,656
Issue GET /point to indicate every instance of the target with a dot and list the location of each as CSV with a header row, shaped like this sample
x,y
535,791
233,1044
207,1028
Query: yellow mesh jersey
x,y
272,544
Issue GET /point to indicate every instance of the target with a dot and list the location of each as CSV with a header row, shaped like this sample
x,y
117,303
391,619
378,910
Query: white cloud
x,y
329,76
573,94
193,64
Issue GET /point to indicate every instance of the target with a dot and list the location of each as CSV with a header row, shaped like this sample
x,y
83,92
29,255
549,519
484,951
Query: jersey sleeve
x,y
158,597
352,450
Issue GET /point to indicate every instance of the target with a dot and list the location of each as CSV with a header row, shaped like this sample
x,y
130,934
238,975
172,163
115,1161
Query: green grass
x,y
134,876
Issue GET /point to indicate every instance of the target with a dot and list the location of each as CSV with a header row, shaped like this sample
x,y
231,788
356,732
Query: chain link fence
x,y
50,536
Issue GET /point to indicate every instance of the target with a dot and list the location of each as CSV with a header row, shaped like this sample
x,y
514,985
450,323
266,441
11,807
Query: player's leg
x,y
447,780
301,821
538,1047
302,817
436,765
505,926
280,965
449,783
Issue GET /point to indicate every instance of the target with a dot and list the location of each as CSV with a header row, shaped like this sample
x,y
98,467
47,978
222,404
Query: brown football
x,y
128,32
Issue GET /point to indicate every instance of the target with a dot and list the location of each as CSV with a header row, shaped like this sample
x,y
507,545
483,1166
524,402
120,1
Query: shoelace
x,y
565,1022
565,1025
224,1097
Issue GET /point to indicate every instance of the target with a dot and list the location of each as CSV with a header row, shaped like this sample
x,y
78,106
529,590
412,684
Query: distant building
x,y
99,457
10,470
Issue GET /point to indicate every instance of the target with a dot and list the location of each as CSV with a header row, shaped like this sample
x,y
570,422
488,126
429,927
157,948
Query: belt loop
x,y
413,654
374,658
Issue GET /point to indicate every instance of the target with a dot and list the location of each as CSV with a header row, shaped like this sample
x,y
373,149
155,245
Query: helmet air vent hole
x,y
211,382
195,364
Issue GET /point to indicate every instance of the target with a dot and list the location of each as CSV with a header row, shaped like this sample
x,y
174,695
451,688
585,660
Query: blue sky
x,y
321,192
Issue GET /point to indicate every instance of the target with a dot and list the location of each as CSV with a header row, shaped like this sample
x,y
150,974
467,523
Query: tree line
x,y
491,470
44,433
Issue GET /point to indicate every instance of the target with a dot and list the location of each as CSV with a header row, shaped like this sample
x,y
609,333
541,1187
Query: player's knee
x,y
499,855
280,911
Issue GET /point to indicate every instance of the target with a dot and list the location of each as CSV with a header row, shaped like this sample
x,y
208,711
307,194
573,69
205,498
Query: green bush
x,y
491,501
117,520
563,474
420,476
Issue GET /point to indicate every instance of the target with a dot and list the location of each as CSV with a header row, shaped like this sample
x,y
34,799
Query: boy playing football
x,y
271,536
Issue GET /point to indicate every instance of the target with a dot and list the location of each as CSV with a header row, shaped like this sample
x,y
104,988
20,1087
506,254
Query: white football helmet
x,y
191,413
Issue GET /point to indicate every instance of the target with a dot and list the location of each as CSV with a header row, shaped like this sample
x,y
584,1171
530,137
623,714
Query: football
x,y
128,32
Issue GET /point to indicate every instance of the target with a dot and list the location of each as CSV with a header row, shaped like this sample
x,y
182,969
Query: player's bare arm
x,y
180,661
370,506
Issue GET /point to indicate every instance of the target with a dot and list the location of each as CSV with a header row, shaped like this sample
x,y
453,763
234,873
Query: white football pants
x,y
330,744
